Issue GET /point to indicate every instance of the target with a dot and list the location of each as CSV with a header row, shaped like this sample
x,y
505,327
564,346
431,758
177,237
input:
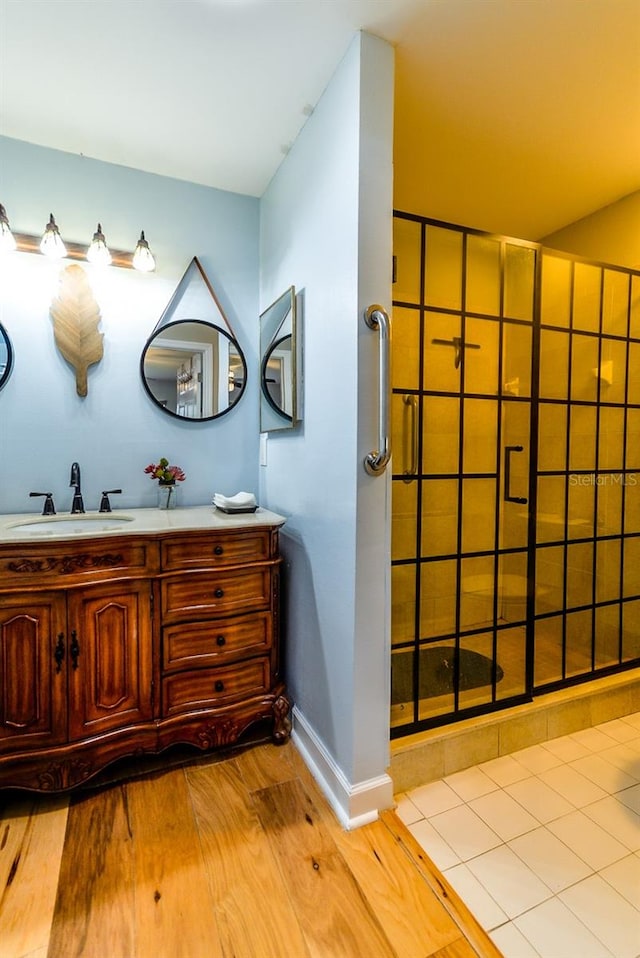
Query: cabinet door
x,y
110,671
33,695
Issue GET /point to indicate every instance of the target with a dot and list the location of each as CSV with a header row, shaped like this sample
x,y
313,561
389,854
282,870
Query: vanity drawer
x,y
212,688
215,549
206,643
216,593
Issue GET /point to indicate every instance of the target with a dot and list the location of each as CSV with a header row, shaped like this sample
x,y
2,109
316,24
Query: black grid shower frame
x,y
595,474
414,560
418,643
533,546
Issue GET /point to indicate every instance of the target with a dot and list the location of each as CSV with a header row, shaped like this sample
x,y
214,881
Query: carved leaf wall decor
x,y
76,317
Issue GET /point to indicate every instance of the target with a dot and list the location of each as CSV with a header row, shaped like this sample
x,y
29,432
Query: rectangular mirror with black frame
x,y
279,351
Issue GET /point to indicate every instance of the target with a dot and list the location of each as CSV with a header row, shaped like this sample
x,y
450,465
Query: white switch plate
x,y
263,448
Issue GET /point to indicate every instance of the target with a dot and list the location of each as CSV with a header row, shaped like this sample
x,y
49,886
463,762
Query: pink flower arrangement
x,y
164,472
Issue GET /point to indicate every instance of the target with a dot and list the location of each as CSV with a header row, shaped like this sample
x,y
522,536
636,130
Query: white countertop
x,y
30,527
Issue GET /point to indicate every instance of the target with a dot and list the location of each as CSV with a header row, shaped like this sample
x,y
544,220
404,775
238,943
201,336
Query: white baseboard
x,y
354,805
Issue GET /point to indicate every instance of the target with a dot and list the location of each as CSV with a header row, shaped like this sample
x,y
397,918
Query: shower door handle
x,y
507,475
411,471
376,462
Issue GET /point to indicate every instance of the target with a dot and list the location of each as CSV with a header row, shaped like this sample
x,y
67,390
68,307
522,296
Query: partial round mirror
x,y
6,356
275,377
193,370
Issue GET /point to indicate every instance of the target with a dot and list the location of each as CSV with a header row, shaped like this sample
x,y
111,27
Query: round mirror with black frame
x,y
6,356
192,369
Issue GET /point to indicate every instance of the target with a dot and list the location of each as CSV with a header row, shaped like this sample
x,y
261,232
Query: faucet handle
x,y
105,505
48,509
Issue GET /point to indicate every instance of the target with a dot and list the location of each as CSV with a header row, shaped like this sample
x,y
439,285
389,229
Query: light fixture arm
x,y
27,243
30,243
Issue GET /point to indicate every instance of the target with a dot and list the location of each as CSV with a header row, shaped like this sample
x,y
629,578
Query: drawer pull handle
x,y
219,593
218,551
220,639
219,686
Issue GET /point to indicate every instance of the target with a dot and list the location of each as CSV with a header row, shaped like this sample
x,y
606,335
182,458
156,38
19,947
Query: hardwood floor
x,y
217,857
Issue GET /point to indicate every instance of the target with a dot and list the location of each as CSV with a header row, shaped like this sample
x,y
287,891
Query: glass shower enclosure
x,y
516,472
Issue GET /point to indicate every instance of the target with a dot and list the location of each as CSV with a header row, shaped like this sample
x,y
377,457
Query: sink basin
x,y
71,525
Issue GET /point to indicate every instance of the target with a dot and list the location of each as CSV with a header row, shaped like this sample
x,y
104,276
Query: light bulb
x,y
98,252
143,257
51,244
7,240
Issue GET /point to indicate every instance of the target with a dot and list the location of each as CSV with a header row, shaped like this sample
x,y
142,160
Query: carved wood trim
x,y
66,565
61,775
281,719
219,733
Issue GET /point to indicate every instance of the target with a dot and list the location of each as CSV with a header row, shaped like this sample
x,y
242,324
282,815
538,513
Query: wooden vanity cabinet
x,y
127,645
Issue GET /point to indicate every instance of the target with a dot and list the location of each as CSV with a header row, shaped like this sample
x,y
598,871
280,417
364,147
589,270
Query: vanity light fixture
x,y
51,243
7,239
98,251
52,246
143,257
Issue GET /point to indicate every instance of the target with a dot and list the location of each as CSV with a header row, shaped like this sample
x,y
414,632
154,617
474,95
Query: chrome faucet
x,y
77,504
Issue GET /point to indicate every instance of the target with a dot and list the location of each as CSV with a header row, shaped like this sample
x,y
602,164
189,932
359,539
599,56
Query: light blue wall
x,y
324,225
116,431
326,228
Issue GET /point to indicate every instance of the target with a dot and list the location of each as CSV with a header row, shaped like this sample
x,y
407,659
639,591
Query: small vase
x,y
167,495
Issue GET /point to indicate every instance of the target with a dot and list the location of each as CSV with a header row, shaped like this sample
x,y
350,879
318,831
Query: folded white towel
x,y
241,500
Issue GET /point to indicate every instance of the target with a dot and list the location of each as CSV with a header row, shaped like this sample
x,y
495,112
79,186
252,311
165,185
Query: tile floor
x,y
543,845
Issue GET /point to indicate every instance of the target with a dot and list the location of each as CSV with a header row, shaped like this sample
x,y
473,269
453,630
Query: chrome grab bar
x,y
411,402
375,462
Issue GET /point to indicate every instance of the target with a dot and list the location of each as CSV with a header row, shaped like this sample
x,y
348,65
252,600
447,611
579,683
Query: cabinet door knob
x,y
220,639
219,593
219,686
218,550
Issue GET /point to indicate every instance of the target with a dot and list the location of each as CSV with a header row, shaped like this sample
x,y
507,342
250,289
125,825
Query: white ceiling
x,y
517,116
